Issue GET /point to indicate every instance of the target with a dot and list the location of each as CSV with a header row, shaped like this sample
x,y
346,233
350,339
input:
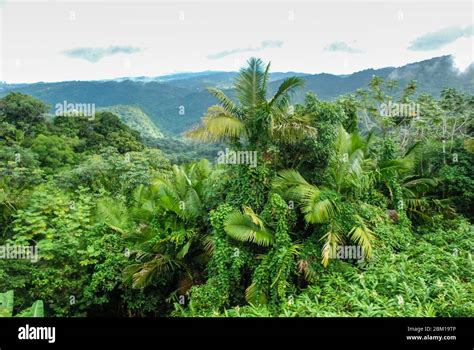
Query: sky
x,y
93,40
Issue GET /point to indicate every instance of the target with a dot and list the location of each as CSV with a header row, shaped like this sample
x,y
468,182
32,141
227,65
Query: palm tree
x,y
248,227
164,224
337,203
340,202
255,119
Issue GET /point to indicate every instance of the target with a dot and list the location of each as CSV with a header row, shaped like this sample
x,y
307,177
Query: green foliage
x,y
248,186
271,279
22,110
135,118
6,307
113,172
54,152
432,277
223,269
337,204
104,130
248,227
457,180
121,229
6,304
36,310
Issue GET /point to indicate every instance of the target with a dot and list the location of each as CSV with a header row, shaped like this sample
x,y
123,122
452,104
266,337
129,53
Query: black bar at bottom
x,y
449,333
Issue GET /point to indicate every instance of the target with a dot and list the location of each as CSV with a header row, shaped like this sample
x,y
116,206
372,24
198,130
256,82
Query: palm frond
x,y
285,257
293,129
286,87
242,228
208,244
331,241
418,184
318,211
287,179
266,76
397,164
255,219
141,275
225,101
412,149
114,214
218,127
363,236
355,161
192,204
167,195
249,84
304,267
254,295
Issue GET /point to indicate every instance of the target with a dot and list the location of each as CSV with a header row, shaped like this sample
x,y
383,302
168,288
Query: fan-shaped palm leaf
x,y
114,214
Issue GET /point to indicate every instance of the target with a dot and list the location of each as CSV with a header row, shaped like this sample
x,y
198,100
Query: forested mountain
x,y
176,102
136,119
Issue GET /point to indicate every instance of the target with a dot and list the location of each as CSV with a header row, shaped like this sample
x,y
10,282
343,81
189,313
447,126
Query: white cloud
x,y
266,44
95,54
341,46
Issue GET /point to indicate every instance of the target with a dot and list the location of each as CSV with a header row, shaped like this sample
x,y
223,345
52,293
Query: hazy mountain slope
x,y
328,86
176,102
435,73
135,118
153,98
201,80
431,75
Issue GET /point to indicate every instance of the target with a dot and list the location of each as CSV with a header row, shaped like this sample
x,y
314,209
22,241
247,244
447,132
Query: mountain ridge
x,y
178,103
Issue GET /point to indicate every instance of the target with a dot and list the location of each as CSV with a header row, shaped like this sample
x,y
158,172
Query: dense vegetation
x,y
123,230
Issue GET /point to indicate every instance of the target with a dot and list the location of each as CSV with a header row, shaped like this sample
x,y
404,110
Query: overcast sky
x,y
91,40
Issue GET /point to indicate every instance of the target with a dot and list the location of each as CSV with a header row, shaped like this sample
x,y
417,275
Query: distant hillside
x,y
176,102
155,99
431,75
201,80
135,118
